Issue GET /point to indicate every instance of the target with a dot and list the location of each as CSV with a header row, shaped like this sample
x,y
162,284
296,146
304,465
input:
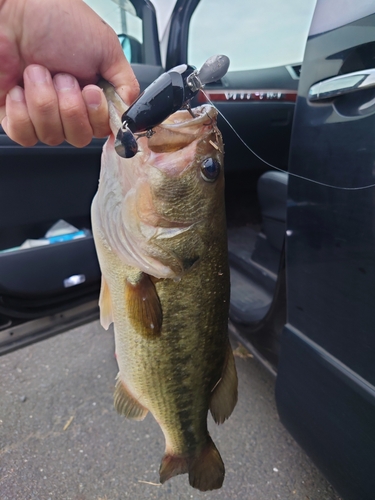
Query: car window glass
x,y
122,17
252,34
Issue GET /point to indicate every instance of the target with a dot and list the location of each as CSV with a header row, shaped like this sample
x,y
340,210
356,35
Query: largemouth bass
x,y
160,233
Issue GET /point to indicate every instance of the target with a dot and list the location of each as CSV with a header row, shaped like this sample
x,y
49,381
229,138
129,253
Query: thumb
x,y
120,74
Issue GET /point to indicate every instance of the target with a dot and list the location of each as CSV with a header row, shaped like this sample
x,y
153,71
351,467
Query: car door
x,y
325,386
44,289
322,299
265,44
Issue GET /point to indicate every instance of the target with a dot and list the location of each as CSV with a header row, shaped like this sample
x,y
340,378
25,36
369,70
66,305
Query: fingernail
x,y
37,74
16,94
64,82
93,98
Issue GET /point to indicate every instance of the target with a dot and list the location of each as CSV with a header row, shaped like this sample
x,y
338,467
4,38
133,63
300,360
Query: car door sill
x,y
236,334
14,337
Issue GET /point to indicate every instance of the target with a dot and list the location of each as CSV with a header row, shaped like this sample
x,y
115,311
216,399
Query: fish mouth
x,y
195,117
181,129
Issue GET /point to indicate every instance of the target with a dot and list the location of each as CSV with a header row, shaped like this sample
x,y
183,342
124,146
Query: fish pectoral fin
x,y
143,306
126,404
105,305
206,468
225,394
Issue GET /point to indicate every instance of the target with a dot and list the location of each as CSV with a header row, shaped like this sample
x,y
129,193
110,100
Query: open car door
x,y
301,246
257,99
52,282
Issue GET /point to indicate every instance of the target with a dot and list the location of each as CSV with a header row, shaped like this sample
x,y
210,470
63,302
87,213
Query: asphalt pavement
x,y
61,439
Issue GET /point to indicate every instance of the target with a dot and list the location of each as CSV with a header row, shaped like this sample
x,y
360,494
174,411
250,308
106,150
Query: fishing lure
x,y
170,92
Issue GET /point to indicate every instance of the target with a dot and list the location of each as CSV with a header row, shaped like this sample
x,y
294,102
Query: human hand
x,y
43,43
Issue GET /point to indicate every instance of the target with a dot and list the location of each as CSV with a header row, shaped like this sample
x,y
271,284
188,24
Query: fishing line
x,y
368,186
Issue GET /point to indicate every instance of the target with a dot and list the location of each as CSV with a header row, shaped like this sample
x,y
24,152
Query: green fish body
x,y
160,233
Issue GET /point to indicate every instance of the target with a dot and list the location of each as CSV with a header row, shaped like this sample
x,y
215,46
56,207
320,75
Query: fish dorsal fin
x,y
143,306
224,395
105,305
126,404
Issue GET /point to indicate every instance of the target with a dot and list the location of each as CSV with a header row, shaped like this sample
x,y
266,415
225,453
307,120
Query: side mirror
x,y
132,48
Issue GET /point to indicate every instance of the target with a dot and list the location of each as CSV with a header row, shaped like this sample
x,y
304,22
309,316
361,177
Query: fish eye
x,y
210,169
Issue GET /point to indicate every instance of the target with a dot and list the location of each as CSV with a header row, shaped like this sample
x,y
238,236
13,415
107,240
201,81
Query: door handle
x,y
342,84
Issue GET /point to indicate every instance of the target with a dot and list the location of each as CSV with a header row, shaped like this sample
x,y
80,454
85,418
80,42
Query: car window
x,y
122,17
251,33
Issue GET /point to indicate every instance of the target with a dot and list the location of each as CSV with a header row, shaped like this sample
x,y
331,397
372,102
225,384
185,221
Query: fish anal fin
x,y
105,305
225,394
126,404
206,468
143,306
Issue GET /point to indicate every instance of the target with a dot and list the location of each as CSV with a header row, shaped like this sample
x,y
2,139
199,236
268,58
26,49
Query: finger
x,y
97,109
10,68
42,104
117,70
74,118
17,123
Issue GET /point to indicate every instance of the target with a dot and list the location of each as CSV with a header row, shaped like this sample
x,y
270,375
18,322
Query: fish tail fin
x,y
172,465
206,469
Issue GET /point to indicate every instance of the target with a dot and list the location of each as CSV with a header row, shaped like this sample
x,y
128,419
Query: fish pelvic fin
x,y
126,404
105,305
143,306
206,469
225,394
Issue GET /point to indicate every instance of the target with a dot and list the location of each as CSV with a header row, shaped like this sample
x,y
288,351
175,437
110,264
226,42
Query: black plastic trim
x,y
178,36
151,47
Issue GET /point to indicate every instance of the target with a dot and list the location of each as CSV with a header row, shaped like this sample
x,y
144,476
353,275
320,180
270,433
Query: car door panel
x,y
263,118
39,186
256,109
325,386
330,411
